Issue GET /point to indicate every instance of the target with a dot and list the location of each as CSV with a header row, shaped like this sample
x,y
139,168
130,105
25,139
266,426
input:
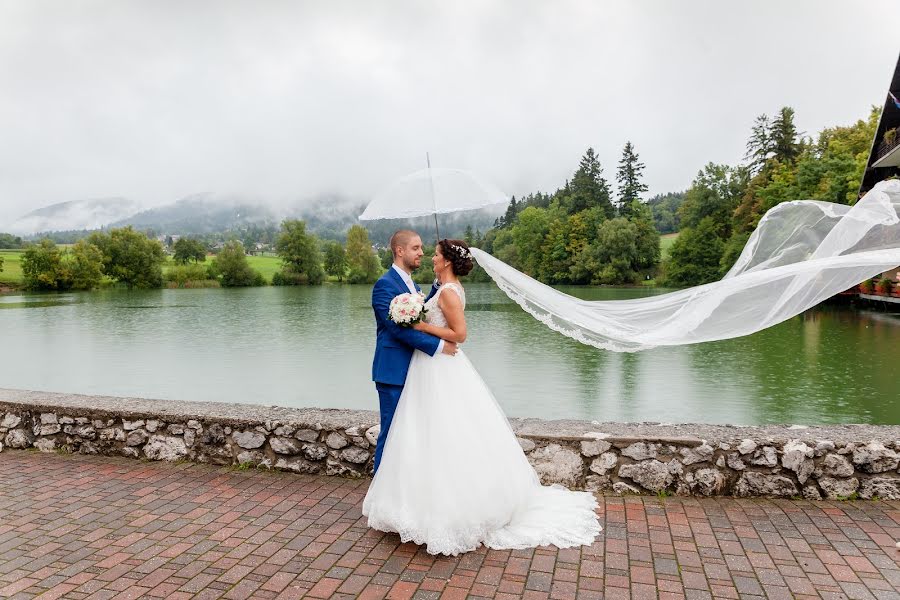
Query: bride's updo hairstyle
x,y
457,253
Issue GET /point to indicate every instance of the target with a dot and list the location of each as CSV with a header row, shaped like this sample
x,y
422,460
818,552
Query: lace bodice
x,y
435,315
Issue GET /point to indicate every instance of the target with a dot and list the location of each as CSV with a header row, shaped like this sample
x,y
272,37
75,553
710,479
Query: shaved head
x,y
406,246
401,239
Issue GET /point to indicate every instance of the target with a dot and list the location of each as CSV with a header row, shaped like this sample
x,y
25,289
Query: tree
x,y
509,217
1,264
628,178
386,257
784,136
528,235
9,241
715,192
612,258
361,259
299,251
665,211
42,267
335,260
695,257
85,265
646,237
187,249
759,146
130,257
565,240
588,187
231,265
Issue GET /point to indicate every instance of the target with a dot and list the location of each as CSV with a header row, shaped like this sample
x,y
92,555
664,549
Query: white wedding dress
x,y
452,474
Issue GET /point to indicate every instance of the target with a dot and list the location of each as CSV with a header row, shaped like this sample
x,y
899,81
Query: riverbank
x,y
836,462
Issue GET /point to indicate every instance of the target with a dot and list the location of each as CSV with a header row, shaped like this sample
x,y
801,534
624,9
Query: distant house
x,y
884,158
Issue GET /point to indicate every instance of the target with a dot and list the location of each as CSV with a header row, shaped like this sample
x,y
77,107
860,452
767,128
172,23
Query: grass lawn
x,y
12,268
267,265
665,242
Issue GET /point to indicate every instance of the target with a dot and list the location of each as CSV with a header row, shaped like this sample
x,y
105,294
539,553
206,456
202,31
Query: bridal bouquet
x,y
407,309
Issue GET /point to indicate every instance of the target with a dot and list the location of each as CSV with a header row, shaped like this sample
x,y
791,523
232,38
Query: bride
x,y
452,475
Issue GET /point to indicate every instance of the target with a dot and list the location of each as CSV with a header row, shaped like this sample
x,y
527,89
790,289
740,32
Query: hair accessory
x,y
463,252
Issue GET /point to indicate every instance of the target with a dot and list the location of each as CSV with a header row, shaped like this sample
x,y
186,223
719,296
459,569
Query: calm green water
x,y
313,347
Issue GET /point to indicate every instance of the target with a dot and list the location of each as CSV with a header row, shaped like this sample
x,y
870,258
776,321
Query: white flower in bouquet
x,y
407,309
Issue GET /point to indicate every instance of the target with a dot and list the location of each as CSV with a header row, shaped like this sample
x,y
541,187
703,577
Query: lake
x,y
312,346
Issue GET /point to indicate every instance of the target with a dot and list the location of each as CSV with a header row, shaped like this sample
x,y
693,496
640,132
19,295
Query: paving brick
x,y
102,527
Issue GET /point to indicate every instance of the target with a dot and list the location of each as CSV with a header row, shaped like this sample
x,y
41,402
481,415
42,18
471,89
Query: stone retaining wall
x,y
814,462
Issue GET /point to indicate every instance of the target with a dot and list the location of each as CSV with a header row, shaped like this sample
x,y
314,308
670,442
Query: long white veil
x,y
801,253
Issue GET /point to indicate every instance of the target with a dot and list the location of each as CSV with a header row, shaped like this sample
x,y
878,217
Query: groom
x,y
394,345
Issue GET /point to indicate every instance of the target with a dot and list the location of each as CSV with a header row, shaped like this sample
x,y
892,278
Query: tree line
x,y
131,258
724,204
583,233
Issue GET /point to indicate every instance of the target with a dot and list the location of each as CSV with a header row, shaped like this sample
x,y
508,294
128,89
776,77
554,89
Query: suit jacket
x,y
394,344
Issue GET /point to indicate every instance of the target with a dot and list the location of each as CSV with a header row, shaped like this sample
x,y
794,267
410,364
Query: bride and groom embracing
x,y
449,471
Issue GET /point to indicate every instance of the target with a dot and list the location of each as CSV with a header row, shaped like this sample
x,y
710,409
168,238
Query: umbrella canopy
x,y
432,192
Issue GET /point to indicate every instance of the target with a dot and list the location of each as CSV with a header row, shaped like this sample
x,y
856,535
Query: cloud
x,y
158,100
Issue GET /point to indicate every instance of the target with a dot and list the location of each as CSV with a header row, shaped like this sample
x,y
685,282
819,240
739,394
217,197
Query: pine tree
x,y
759,146
588,188
628,177
784,136
509,217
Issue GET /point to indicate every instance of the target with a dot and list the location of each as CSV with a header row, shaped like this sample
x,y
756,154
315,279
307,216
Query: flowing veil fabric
x,y
801,253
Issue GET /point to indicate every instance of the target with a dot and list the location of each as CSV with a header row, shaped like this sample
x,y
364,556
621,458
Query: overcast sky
x,y
157,100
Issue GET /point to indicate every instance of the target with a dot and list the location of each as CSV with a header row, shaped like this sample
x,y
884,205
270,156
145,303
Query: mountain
x,y
202,213
329,216
74,215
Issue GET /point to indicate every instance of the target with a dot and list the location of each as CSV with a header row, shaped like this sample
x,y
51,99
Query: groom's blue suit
x,y
393,350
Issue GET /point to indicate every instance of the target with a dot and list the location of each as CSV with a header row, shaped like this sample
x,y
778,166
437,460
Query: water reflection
x,y
313,347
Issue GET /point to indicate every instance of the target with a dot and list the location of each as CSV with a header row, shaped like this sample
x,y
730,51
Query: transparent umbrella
x,y
433,192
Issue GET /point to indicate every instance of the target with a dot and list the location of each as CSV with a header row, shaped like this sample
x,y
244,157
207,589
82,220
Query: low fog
x,y
287,101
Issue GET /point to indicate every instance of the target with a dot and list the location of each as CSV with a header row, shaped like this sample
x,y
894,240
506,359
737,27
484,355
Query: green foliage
x,y
665,211
232,269
85,265
830,169
188,275
1,264
715,193
42,267
46,267
696,256
733,248
335,260
130,257
9,241
361,258
188,249
385,257
565,239
532,226
588,188
628,178
783,136
299,251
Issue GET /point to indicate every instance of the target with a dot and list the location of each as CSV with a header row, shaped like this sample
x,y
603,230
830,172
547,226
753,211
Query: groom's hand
x,y
449,348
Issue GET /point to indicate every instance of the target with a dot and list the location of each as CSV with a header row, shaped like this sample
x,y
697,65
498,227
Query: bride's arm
x,y
451,306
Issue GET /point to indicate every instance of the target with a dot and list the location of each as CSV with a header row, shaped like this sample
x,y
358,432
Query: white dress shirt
x,y
407,279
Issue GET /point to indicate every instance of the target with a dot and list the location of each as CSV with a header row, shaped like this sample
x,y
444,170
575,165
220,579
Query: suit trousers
x,y
388,397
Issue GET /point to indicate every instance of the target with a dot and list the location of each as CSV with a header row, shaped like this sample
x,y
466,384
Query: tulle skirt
x,y
453,476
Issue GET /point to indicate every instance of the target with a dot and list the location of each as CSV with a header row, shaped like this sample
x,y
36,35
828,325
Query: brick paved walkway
x,y
100,527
